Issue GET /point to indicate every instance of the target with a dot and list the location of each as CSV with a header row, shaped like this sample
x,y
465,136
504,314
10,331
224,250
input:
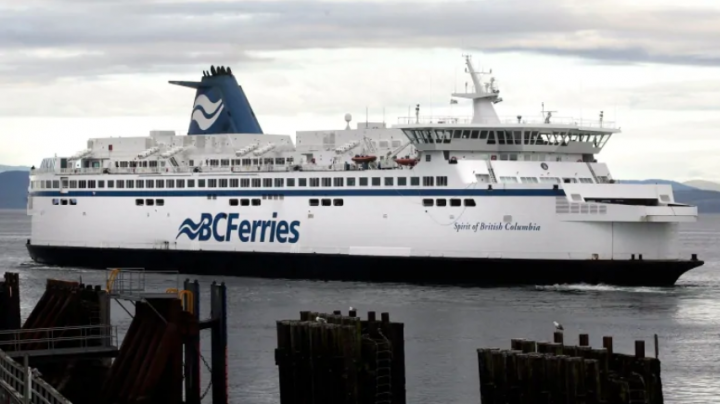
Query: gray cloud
x,y
43,39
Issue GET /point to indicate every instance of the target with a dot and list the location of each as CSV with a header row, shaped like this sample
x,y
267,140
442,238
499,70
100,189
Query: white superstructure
x,y
475,199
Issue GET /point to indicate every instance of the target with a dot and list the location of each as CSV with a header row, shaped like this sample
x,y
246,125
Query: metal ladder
x,y
593,172
383,370
491,172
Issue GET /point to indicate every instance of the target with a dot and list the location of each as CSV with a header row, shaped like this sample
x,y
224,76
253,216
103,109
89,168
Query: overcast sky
x,y
74,69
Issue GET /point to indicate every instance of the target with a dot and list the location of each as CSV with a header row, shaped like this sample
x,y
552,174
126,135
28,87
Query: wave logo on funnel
x,y
191,229
206,112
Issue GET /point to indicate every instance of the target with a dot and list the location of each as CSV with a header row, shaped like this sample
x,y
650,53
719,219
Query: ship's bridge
x,y
562,137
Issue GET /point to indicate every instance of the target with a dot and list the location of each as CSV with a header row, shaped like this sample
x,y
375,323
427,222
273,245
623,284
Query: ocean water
x,y
444,325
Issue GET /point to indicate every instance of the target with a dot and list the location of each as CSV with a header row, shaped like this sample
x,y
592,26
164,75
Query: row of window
x,y
514,137
149,202
64,202
429,181
545,180
245,202
453,202
326,202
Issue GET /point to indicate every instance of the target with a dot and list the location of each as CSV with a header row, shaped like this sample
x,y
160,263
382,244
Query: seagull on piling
x,y
320,320
558,326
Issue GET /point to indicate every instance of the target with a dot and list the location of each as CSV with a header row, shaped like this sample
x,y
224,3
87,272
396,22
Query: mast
x,y
483,97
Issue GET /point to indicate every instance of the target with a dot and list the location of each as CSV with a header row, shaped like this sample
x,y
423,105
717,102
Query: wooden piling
x,y
542,372
342,359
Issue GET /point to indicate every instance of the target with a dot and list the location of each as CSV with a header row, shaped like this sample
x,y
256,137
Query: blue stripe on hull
x,y
306,192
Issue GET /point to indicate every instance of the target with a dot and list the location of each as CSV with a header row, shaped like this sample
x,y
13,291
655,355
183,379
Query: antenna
x,y
549,113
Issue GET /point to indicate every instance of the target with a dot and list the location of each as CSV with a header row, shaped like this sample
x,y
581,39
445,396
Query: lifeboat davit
x,y
406,161
364,159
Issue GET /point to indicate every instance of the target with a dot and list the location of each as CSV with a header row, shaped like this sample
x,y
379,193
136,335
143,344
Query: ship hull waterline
x,y
342,267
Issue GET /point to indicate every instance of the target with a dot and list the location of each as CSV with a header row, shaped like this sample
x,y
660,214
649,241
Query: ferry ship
x,y
480,201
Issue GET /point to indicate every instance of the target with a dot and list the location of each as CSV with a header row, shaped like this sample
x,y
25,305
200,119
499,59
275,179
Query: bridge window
x,y
191,183
314,202
120,184
388,181
402,181
73,184
338,182
223,183
180,183
363,181
509,180
159,202
139,202
428,157
428,202
290,182
139,183
256,182
244,202
529,180
56,184
233,202
326,182
350,181
111,184
376,181
549,180
267,182
586,180
455,202
81,184
338,202
491,137
314,182
469,202
279,182
91,184
567,180
130,184
256,202
302,182
149,202
326,202
245,182
211,183
441,181
428,181
440,202
415,181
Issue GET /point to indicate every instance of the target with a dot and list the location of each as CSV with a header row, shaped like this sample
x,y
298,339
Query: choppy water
x,y
444,325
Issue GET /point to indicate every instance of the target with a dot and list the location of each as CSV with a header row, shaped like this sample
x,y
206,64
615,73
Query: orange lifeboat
x,y
406,161
364,159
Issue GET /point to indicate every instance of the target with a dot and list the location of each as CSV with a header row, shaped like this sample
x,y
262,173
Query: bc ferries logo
x,y
226,227
206,112
497,226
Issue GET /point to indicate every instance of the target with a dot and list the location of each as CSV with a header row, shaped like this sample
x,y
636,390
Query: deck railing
x,y
15,379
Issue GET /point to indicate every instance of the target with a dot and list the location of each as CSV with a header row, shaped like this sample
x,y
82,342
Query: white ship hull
x,y
372,236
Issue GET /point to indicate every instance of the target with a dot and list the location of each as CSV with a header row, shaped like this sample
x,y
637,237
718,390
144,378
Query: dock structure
x,y
332,358
552,372
67,350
